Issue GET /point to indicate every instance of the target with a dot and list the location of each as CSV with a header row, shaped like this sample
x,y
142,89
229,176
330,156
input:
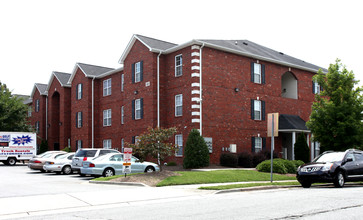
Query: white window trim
x,y
107,117
179,145
257,110
79,91
79,119
107,87
37,127
179,68
258,144
79,144
37,105
316,88
122,115
122,82
257,73
137,72
107,144
137,109
178,105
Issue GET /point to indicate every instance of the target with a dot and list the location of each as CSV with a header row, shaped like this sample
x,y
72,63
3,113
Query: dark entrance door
x,y
56,146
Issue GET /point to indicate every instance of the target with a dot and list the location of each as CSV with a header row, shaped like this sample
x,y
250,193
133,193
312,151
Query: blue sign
x,y
22,140
5,138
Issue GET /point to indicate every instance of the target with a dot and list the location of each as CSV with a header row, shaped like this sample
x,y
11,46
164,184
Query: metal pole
x,y
272,144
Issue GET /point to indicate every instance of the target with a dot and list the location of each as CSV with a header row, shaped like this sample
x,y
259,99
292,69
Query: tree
x,y
13,112
196,151
301,148
155,143
337,113
43,146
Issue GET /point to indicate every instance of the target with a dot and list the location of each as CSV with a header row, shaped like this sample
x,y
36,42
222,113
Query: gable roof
x,y
61,77
241,47
291,123
91,71
42,88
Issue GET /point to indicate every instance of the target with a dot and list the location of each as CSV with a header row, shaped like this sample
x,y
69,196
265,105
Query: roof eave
x,y
294,130
109,73
129,46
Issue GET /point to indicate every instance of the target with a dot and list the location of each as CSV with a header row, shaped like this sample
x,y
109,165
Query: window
x,y
122,82
258,144
257,73
79,119
179,105
316,88
79,91
37,127
107,87
122,145
107,117
179,143
122,115
37,103
107,144
29,111
137,109
79,144
257,110
137,72
178,65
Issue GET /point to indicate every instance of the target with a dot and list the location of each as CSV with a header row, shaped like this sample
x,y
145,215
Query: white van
x,y
17,146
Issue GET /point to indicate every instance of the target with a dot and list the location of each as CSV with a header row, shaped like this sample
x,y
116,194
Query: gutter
x,y
93,112
158,90
200,89
46,118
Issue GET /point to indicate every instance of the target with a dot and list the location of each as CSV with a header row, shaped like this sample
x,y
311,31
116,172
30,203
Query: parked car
x,y
333,167
112,164
85,154
37,162
60,164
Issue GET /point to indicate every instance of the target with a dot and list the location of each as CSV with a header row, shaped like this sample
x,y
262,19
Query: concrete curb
x,y
255,188
119,183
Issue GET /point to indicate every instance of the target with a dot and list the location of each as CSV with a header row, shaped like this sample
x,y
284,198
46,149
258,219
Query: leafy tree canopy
x,y
337,113
13,112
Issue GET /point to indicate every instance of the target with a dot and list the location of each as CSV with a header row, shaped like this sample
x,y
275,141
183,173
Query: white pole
x,y
272,144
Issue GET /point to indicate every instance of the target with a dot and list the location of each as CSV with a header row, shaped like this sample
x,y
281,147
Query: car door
x,y
136,166
117,163
359,164
349,165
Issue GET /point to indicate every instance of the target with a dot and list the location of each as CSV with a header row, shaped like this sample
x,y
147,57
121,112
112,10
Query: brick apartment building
x,y
224,88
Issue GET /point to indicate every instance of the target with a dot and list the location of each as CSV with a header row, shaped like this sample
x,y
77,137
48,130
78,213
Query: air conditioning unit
x,y
233,148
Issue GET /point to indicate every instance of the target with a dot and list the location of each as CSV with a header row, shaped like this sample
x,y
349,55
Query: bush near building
x,y
229,160
281,166
196,151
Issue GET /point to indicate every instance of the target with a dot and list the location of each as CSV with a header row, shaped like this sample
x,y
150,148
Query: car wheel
x,y
11,161
42,171
67,170
306,184
108,172
149,169
339,180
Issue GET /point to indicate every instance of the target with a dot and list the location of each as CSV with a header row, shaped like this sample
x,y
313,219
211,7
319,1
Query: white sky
x,y
41,36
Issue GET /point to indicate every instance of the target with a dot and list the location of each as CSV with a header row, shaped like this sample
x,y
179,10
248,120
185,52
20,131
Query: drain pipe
x,y
46,118
200,87
158,89
93,111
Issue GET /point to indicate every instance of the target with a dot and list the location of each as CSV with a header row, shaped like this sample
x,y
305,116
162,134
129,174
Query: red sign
x,y
127,155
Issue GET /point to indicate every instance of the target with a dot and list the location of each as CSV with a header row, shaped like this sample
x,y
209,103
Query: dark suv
x,y
335,167
85,154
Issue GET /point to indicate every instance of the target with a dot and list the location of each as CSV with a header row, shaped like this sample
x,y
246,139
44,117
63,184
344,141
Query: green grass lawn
x,y
246,185
220,176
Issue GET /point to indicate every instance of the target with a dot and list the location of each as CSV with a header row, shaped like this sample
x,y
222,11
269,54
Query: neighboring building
x,y
224,88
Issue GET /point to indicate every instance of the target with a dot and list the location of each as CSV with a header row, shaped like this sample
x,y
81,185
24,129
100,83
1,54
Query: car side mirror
x,y
349,159
137,161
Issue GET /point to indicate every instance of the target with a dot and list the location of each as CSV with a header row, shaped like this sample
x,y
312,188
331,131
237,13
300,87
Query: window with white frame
x,y
79,119
137,72
137,109
37,127
316,88
122,82
258,144
107,117
179,143
107,87
79,144
79,91
107,144
257,110
122,145
178,65
29,111
179,105
257,72
37,104
122,115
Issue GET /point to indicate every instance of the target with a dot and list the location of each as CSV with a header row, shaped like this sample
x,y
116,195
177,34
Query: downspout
x,y
46,118
93,111
158,89
200,92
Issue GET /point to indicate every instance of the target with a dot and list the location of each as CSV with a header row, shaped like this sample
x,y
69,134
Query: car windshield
x,y
86,153
61,156
330,157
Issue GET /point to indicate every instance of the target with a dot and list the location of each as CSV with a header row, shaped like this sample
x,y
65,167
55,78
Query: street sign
x,y
126,168
273,124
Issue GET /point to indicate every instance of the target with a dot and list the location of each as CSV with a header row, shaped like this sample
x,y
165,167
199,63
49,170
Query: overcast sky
x,y
41,36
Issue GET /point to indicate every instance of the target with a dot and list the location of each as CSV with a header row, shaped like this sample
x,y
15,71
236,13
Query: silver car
x,y
112,164
37,162
60,164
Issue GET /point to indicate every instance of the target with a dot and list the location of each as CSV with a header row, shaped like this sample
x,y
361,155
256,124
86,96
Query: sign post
x,y
127,161
272,131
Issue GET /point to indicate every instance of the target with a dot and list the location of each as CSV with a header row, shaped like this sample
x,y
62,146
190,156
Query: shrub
x,y
228,160
67,149
196,151
301,148
297,163
43,146
289,165
261,156
171,163
278,167
245,159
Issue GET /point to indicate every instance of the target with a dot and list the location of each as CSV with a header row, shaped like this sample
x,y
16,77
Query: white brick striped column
x,y
195,86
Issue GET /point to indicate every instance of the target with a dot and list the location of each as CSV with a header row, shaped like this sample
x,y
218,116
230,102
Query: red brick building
x,y
224,88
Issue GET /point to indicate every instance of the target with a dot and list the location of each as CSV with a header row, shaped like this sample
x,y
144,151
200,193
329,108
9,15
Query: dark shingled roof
x,y
291,122
91,70
252,48
62,78
41,87
156,44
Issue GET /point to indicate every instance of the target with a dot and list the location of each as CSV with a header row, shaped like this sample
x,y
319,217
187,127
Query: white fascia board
x,y
63,85
74,73
110,72
293,130
129,46
50,81
181,46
